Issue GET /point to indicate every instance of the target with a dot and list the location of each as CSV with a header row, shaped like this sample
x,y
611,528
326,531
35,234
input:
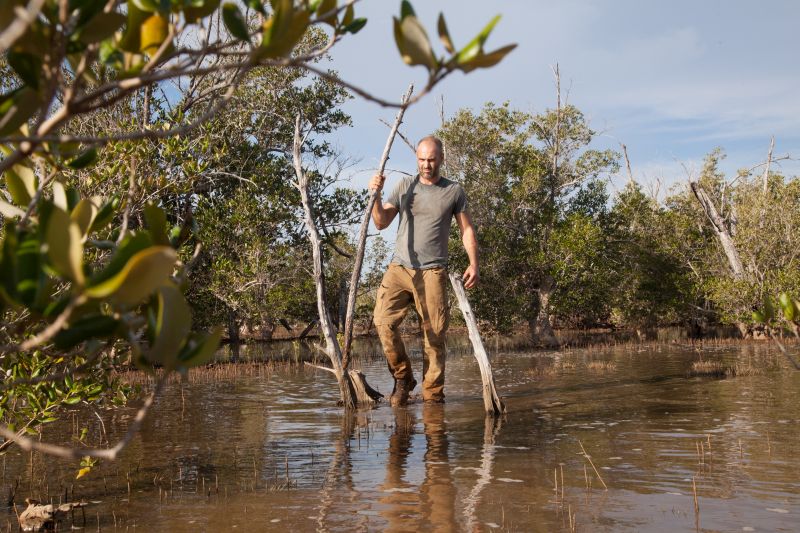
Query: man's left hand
x,y
471,276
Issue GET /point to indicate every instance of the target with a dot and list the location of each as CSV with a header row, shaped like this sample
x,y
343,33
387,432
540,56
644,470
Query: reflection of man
x,y
432,506
437,494
426,203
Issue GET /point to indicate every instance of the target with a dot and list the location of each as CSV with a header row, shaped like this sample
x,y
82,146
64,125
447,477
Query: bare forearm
x,y
380,216
470,241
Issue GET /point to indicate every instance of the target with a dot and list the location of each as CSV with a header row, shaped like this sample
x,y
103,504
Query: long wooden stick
x,y
362,234
491,401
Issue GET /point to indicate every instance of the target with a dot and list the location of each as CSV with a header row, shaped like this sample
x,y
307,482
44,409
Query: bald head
x,y
432,139
429,158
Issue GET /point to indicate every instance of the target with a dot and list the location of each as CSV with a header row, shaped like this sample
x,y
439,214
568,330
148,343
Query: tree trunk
x,y
720,229
233,328
309,327
353,389
266,330
723,233
340,321
492,403
541,331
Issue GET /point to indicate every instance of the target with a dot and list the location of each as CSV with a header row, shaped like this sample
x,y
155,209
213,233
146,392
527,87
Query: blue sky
x,y
672,80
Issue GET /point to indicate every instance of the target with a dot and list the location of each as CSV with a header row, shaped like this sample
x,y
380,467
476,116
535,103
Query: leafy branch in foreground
x,y
785,317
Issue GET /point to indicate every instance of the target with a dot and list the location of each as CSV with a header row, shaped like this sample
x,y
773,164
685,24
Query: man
x,y
417,273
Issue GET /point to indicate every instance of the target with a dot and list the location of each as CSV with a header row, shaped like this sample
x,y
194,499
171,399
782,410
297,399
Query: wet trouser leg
x,y
428,290
431,300
394,296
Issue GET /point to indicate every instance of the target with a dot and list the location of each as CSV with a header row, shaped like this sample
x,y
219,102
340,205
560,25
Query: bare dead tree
x,y
492,403
353,386
721,230
627,163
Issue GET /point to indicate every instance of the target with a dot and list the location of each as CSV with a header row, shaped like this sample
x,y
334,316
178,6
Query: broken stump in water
x,y
491,401
38,517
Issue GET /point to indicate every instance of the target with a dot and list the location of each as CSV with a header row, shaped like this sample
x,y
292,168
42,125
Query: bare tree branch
x,y
24,17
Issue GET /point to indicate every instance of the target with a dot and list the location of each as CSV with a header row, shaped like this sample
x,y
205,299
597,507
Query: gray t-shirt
x,y
425,215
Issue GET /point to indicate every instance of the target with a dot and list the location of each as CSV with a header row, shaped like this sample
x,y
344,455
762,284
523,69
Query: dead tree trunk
x,y
353,387
541,331
491,401
721,230
723,233
362,234
233,327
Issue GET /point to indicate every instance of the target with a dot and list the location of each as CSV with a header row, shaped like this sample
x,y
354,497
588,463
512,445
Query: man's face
x,y
429,159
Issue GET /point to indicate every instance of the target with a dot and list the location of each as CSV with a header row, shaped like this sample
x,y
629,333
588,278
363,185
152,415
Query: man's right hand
x,y
376,183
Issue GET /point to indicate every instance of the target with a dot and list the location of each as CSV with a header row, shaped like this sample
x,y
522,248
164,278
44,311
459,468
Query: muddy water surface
x,y
665,449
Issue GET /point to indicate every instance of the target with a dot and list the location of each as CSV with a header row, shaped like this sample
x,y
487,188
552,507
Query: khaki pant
x,y
427,289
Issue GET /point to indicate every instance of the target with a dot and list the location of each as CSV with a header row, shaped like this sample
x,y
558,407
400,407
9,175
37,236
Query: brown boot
x,y
399,397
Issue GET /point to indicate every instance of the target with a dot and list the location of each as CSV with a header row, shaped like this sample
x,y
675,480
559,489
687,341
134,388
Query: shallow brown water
x,y
274,453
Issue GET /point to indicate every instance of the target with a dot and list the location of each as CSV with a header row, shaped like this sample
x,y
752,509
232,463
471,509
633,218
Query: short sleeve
x,y
461,201
394,196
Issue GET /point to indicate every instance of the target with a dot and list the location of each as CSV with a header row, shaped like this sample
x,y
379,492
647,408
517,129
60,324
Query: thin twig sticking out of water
x,y
696,505
588,458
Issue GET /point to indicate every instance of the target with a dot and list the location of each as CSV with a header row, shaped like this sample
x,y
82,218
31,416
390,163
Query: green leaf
x,y
324,7
27,66
355,26
21,184
257,6
8,275
150,6
29,269
769,309
104,215
444,35
101,27
475,46
349,15
60,196
235,22
142,274
202,349
87,327
83,160
83,215
64,246
132,38
173,323
156,220
487,60
16,108
277,44
413,43
154,31
201,11
759,317
484,34
406,10
787,306
127,249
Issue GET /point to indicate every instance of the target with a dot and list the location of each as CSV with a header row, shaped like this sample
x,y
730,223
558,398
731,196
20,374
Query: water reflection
x,y
431,505
491,429
272,452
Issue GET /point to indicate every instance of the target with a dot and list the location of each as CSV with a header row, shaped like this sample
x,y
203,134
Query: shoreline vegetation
x,y
251,360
